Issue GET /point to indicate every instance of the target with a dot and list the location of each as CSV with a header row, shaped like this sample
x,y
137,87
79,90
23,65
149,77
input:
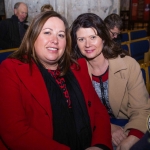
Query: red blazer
x,y
25,109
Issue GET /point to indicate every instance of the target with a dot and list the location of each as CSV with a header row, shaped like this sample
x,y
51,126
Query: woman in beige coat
x,y
116,77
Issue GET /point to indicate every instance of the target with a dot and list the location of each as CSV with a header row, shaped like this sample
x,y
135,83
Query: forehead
x,y
22,7
115,29
86,31
54,22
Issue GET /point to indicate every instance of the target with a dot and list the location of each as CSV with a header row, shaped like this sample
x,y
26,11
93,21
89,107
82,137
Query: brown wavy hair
x,y
90,20
26,51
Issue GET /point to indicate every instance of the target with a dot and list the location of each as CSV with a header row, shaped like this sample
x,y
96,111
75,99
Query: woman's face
x,y
51,42
89,43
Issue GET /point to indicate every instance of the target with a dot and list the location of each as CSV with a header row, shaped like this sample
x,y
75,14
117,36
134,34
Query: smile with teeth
x,y
52,49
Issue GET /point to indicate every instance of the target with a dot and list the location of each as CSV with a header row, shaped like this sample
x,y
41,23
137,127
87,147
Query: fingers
x,y
118,148
118,136
116,141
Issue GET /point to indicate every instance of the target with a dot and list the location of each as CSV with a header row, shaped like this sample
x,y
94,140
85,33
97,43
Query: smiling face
x,y
51,42
89,43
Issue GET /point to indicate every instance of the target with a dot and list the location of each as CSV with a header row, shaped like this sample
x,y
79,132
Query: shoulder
x,y
131,62
81,67
9,63
6,22
126,59
80,71
7,67
82,61
82,64
129,59
123,63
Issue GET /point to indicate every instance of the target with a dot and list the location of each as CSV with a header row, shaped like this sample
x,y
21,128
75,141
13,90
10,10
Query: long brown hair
x,y
26,50
90,20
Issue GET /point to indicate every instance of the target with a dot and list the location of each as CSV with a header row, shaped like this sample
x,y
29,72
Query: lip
x,y
89,51
52,48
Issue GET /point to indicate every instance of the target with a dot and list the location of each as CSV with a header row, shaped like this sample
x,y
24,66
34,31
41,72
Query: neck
x,y
98,66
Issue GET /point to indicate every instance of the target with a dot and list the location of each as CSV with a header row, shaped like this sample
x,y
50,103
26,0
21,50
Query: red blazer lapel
x,y
83,78
35,84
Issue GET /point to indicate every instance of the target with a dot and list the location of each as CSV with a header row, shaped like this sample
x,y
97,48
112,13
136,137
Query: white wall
x,y
69,8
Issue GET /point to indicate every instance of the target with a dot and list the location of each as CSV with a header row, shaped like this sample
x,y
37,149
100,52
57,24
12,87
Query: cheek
x,y
80,45
99,43
63,44
38,44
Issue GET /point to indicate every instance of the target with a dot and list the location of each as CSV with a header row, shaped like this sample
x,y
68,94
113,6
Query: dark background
x,y
2,7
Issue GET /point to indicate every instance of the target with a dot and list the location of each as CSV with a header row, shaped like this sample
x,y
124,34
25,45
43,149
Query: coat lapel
x,y
35,84
117,84
82,77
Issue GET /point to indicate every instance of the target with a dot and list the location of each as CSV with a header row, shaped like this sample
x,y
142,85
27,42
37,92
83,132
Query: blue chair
x,y
138,48
125,47
138,34
5,53
124,37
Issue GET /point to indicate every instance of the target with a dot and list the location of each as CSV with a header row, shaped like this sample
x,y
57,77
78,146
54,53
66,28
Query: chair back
x,y
5,53
125,47
124,36
138,49
138,34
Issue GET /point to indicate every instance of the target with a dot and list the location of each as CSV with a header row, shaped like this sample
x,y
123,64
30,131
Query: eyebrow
x,y
52,29
88,36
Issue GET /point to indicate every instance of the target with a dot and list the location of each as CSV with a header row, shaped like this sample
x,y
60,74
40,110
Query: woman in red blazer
x,y
44,103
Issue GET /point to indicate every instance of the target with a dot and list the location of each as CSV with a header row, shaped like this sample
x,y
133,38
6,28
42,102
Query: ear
x,y
15,11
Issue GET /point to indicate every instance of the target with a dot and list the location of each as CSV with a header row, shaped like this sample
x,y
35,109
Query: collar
x,y
15,18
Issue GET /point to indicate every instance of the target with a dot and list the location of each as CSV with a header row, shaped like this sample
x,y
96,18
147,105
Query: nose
x,y
87,43
24,15
54,39
115,36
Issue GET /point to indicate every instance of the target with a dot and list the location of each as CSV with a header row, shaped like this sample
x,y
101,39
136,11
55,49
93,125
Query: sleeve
x,y
138,99
143,143
15,130
136,133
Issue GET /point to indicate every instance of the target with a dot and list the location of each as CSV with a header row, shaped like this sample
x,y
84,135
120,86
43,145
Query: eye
x,y
93,37
80,39
47,32
61,35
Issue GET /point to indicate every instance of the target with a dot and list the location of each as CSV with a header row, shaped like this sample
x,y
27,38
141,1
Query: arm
x,y
138,106
138,99
17,128
127,143
143,143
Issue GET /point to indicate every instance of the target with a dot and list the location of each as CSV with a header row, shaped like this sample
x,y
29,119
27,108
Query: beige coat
x,y
128,96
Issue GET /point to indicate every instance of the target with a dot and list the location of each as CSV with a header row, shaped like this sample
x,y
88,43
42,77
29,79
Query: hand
x,y
93,148
127,143
118,134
